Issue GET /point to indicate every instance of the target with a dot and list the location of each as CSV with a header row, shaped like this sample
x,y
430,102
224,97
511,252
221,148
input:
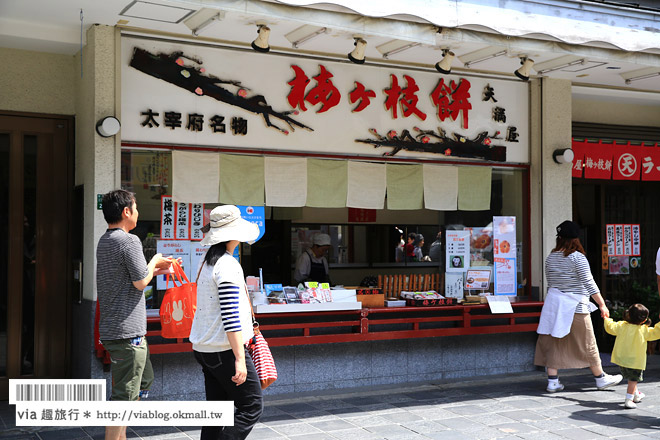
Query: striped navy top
x,y
571,274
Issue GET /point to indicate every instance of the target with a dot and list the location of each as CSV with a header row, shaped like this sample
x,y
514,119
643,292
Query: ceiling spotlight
x,y
357,54
523,71
260,44
444,65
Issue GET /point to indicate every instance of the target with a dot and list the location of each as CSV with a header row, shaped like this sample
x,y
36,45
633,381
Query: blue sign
x,y
256,215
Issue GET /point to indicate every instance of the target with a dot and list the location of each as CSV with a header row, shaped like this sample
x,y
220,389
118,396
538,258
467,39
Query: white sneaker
x,y
553,387
630,404
607,381
638,396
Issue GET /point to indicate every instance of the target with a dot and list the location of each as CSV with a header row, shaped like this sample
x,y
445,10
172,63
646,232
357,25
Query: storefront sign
x,y
174,93
457,251
623,239
360,215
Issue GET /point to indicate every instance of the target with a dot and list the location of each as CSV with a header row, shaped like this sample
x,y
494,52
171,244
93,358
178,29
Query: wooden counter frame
x,y
287,329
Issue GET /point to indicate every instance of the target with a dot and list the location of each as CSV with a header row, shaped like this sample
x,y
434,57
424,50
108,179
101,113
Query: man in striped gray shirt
x,y
122,273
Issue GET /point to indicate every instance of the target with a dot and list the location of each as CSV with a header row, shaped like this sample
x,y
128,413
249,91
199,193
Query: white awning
x,y
575,22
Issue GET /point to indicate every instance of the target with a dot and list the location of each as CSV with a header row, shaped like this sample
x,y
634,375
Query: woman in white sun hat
x,y
223,324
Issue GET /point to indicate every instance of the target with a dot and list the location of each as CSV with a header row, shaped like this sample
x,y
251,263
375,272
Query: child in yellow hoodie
x,y
630,348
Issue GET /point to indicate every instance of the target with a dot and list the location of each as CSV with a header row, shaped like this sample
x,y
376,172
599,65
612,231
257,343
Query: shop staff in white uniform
x,y
312,264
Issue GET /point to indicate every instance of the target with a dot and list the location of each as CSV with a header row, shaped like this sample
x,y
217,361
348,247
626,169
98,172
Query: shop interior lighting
x,y
484,54
304,33
561,66
260,44
357,54
637,78
523,71
394,47
202,19
444,65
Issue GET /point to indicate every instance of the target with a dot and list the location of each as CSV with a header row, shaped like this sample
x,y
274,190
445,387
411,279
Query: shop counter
x,y
368,324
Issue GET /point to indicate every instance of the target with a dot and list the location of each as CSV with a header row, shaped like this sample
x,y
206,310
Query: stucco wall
x,y
617,113
37,82
551,191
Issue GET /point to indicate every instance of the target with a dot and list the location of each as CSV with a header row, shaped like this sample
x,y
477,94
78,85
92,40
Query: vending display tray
x,y
430,302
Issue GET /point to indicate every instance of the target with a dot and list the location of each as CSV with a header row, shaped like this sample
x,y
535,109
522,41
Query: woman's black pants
x,y
218,369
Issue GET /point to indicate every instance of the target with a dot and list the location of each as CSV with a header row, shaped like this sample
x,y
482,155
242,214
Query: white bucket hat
x,y
226,224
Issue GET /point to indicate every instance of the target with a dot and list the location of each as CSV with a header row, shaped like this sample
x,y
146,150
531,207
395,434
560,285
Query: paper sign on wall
x,y
182,230
504,255
457,251
623,239
454,285
166,218
196,221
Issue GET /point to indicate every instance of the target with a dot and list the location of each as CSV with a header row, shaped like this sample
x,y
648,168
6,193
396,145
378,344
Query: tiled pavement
x,y
500,407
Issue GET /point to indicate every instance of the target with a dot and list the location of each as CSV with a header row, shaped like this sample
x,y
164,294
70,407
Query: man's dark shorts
x,y
131,367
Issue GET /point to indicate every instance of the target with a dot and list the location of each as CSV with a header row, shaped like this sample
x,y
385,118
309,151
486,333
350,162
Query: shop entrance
x,y
36,173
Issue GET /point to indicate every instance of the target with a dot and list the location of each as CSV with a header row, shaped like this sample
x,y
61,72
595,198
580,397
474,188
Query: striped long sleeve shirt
x,y
228,295
222,306
571,274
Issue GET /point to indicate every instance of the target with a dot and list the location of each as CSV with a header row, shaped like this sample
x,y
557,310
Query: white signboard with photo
x,y
457,251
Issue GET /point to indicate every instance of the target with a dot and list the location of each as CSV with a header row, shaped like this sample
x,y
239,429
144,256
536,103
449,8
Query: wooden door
x,y
36,170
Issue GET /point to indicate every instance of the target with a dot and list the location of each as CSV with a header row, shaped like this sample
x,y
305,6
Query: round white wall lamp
x,y
108,126
564,155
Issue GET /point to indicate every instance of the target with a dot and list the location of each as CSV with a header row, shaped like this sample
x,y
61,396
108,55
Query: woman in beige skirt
x,y
566,334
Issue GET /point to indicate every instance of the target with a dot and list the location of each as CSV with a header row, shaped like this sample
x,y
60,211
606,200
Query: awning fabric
x,y
327,183
405,187
366,185
286,182
474,188
241,179
440,187
571,22
196,175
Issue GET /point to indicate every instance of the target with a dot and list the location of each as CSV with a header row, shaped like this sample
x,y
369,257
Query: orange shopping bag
x,y
179,305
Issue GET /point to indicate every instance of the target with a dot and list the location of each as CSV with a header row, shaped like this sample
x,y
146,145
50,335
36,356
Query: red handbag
x,y
262,358
179,305
260,353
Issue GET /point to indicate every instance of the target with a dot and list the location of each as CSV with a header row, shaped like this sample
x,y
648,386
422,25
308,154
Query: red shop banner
x,y
650,163
578,158
597,160
626,162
